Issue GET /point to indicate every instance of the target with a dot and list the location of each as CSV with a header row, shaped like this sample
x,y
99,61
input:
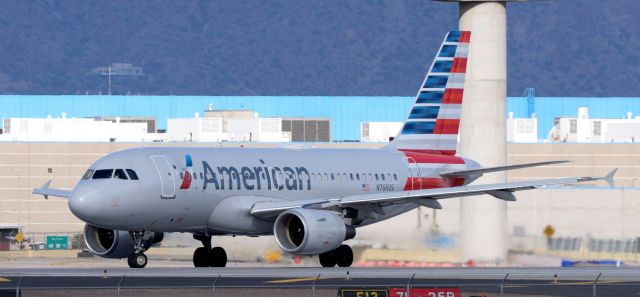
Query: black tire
x,y
217,257
137,260
344,256
328,259
201,257
130,262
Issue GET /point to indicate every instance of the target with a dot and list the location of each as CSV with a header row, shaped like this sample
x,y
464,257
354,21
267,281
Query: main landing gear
x,y
342,256
207,256
138,259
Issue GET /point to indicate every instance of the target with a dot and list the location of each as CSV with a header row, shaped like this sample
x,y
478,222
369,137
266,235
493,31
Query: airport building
x,y
593,212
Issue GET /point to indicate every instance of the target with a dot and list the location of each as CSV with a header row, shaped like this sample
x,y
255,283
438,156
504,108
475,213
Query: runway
x,y
327,282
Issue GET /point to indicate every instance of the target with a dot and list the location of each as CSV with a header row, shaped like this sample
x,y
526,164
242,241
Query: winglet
x,y
42,189
609,177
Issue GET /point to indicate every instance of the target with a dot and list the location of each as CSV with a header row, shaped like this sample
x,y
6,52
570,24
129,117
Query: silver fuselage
x,y
160,200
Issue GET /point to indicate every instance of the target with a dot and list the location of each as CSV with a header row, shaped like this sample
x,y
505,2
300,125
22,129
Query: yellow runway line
x,y
291,280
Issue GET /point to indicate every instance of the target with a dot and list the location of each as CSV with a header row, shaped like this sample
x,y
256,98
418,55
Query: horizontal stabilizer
x,y
496,168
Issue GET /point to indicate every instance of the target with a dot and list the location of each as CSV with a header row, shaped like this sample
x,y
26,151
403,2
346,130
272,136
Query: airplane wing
x,y
45,191
496,168
428,198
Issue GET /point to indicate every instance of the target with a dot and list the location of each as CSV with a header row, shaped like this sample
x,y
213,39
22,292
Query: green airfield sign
x,y
56,242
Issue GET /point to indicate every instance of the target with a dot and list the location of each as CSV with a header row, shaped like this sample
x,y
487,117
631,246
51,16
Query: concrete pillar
x,y
483,127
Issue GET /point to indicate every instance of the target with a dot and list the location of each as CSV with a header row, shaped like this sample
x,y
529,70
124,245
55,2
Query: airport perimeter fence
x,y
595,245
318,286
43,241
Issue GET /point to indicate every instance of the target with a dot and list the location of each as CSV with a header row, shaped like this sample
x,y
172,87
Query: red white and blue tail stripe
x,y
434,119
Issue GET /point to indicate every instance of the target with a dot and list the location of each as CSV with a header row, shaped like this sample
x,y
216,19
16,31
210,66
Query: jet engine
x,y
109,243
311,231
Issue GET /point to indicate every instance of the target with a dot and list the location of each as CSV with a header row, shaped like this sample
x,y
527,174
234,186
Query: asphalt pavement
x,y
611,281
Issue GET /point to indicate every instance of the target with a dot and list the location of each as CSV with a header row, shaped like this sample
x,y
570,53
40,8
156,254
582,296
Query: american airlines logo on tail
x,y
434,120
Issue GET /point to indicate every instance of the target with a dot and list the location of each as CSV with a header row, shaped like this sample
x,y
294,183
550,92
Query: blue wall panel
x,y
346,112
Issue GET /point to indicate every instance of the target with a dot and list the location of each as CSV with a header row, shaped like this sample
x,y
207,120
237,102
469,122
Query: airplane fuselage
x,y
198,189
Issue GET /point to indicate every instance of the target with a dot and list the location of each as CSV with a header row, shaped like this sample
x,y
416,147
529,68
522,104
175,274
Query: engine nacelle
x,y
109,243
311,231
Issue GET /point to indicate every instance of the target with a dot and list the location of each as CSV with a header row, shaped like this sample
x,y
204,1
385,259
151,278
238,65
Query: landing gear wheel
x,y
201,257
137,260
328,259
217,257
344,256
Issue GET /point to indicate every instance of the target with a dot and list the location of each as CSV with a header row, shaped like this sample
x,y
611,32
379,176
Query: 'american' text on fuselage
x,y
256,178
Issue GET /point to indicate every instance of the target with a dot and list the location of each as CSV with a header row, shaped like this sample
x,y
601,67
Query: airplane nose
x,y
85,204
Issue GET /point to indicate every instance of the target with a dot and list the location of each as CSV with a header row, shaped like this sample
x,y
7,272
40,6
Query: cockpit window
x,y
87,175
119,173
132,174
103,173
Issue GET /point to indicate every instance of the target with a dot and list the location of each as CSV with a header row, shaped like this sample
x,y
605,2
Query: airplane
x,y
311,200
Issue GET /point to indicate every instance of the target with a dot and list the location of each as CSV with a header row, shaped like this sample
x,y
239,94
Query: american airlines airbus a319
x,y
311,200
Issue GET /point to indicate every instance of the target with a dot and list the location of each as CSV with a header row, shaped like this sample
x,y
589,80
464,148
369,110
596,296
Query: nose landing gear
x,y
207,256
138,259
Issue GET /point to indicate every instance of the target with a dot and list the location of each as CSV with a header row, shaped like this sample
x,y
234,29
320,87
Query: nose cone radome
x,y
85,204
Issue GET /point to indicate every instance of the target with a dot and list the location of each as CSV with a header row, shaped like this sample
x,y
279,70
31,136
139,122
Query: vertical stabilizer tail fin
x,y
434,120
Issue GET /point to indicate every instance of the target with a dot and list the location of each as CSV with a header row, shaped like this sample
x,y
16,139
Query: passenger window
x,y
332,176
102,174
201,175
382,175
132,174
88,174
395,177
357,176
119,174
351,175
376,176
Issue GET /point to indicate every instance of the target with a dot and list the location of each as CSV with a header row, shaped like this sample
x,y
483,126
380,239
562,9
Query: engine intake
x,y
109,243
311,231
